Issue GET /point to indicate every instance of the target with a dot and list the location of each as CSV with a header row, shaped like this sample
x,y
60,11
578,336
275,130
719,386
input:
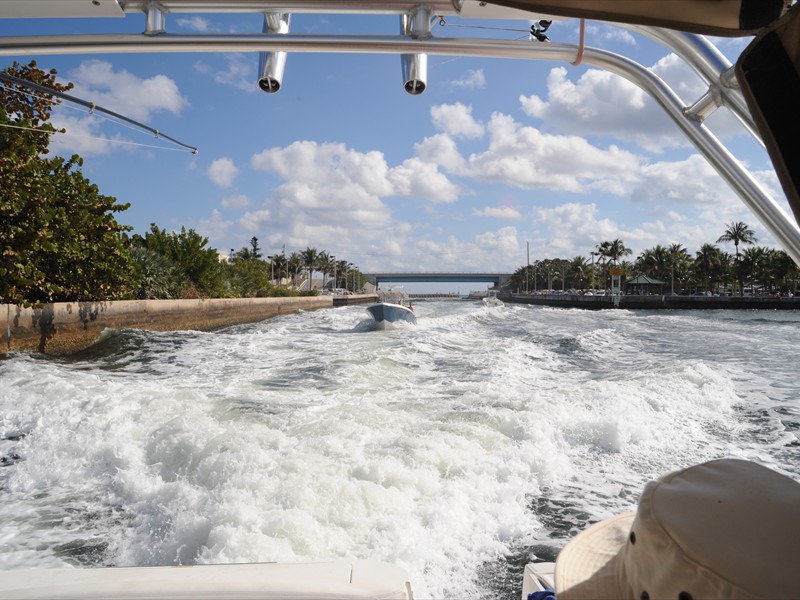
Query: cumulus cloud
x,y
315,173
527,158
502,242
222,172
84,135
691,181
422,179
601,103
456,120
331,192
118,91
441,150
126,93
254,221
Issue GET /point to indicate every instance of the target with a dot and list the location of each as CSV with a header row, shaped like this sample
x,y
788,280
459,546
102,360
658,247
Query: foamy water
x,y
459,449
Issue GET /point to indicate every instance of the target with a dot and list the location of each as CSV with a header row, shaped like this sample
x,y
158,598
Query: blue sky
x,y
496,155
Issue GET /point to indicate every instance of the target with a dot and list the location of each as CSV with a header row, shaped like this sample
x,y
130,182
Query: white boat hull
x,y
386,313
354,580
538,577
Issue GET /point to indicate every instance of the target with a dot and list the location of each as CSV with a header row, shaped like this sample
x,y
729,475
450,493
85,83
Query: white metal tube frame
x,y
694,51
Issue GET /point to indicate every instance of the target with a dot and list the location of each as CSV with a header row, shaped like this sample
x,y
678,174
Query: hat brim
x,y
588,568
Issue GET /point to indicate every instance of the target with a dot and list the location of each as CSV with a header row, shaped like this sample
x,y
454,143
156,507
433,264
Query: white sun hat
x,y
727,528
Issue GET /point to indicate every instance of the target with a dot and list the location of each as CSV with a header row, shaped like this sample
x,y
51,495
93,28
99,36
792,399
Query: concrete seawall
x,y
67,327
655,302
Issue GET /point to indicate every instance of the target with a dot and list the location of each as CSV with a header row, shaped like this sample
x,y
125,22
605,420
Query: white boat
x,y
538,577
393,307
491,299
352,580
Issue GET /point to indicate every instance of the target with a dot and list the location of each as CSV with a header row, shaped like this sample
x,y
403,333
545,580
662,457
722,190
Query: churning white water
x,y
459,449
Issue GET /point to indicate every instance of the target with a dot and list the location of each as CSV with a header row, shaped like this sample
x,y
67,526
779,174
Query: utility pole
x,y
528,269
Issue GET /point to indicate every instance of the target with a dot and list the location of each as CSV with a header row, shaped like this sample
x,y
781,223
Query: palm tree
x,y
614,250
294,264
310,257
654,262
341,273
280,266
611,251
738,233
679,262
757,262
786,270
708,263
324,263
579,268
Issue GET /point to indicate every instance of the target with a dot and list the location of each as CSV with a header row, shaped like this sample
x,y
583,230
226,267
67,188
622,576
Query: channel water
x,y
460,448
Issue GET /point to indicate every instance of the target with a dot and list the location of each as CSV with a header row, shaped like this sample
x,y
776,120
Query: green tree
x,y
187,250
294,265
614,250
579,272
279,267
325,264
59,239
708,265
310,257
680,264
758,266
655,262
738,233
786,270
157,278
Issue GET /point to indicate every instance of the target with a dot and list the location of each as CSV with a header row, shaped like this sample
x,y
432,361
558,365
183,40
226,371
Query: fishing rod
x,y
91,106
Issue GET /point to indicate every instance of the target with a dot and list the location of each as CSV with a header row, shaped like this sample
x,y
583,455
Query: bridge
x,y
498,279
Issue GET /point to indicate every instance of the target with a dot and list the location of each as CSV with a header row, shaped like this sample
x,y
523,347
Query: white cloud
x,y
422,179
502,242
601,103
527,158
474,79
333,193
441,150
83,136
193,23
235,201
125,93
222,172
215,227
118,91
456,120
609,33
254,221
239,72
498,212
